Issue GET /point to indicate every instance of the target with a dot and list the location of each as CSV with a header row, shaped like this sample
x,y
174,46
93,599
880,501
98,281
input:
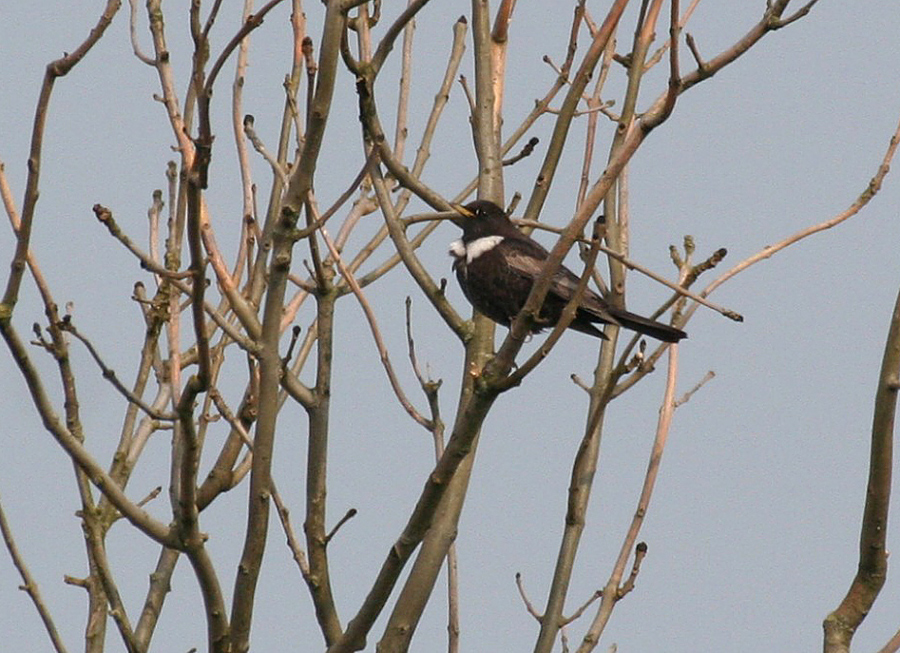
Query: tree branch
x,y
29,585
841,624
376,334
612,592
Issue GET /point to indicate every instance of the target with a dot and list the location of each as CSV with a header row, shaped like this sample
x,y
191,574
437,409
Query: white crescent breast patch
x,y
481,245
457,249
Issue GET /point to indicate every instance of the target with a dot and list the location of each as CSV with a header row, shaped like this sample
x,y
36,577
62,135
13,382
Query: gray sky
x,y
754,526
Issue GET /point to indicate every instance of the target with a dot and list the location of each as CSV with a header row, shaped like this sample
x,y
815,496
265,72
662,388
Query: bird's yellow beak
x,y
463,211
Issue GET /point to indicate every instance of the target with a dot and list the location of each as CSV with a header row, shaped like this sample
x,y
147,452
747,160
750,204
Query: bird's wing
x,y
526,257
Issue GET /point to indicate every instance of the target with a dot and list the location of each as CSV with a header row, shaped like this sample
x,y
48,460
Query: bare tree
x,y
223,350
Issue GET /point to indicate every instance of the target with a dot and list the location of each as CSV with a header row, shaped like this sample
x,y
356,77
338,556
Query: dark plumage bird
x,y
496,265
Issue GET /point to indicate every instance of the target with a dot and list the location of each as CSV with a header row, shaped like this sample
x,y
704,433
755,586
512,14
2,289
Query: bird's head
x,y
482,218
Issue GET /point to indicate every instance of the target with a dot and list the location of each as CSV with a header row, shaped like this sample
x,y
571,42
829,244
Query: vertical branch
x,y
841,624
270,367
156,594
167,82
674,87
613,592
567,110
594,102
490,55
120,468
585,464
315,526
240,143
21,258
187,449
617,229
402,129
498,43
302,43
458,452
101,571
488,95
503,361
431,388
583,470
175,228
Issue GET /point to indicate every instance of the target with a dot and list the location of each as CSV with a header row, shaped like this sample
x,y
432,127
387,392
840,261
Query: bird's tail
x,y
647,326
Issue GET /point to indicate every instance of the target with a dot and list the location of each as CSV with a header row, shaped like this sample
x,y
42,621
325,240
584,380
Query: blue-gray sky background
x,y
754,527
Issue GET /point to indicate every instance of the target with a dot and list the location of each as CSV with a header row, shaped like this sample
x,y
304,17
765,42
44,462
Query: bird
x,y
496,266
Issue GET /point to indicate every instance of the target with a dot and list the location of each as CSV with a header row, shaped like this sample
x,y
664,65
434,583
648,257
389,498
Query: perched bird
x,y
496,266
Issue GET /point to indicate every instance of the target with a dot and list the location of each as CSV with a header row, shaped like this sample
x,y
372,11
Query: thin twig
x,y
640,552
855,207
376,333
431,389
632,265
150,496
526,151
800,13
293,542
686,397
153,214
260,147
528,605
411,346
350,514
132,29
105,216
464,83
110,374
29,585
698,58
401,131
581,384
251,23
580,611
